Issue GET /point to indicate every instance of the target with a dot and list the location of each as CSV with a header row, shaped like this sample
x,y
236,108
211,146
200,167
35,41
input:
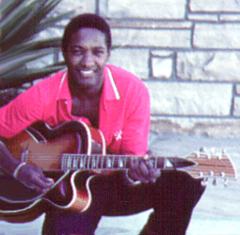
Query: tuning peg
x,y
211,173
223,152
202,149
213,150
225,182
204,182
197,154
222,174
219,155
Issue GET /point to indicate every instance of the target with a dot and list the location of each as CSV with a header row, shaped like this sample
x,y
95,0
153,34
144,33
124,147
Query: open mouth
x,y
87,73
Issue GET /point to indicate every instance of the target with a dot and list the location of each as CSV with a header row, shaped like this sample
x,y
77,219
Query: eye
x,y
77,51
99,52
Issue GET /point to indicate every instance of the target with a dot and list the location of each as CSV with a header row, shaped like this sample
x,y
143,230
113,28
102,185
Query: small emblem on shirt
x,y
118,135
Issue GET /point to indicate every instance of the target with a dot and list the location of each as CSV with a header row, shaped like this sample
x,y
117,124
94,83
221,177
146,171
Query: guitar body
x,y
43,146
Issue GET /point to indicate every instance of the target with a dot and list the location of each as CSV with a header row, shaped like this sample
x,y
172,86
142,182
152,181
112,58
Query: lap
x,y
112,195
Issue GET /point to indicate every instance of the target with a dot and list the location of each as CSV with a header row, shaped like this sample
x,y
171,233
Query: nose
x,y
87,60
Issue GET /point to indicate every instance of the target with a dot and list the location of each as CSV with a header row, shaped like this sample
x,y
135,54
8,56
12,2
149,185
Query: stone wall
x,y
187,53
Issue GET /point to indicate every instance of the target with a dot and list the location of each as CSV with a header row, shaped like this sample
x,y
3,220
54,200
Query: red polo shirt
x,y
124,116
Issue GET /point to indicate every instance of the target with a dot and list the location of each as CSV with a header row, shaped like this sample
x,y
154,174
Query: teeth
x,y
87,72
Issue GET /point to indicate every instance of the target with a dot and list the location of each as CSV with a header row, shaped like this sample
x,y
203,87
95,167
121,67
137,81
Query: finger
x,y
139,176
148,172
47,180
150,163
154,174
40,181
143,169
136,177
134,163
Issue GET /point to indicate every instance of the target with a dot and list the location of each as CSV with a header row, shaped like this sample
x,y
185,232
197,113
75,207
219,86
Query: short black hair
x,y
87,20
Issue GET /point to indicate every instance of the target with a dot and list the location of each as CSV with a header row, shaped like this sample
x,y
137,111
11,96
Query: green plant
x,y
20,22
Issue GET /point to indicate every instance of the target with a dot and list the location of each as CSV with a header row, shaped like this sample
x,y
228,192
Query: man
x,y
116,102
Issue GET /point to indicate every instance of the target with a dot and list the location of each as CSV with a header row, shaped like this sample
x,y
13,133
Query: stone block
x,y
212,127
215,6
209,66
152,38
164,9
149,24
203,17
162,67
78,7
217,36
236,108
237,90
134,60
229,17
190,99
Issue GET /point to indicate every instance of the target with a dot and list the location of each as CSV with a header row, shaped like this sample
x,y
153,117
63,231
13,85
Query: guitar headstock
x,y
212,165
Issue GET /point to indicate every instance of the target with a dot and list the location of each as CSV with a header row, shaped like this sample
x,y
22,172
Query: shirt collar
x,y
63,89
110,90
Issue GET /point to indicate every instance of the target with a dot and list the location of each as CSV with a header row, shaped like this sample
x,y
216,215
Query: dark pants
x,y
172,197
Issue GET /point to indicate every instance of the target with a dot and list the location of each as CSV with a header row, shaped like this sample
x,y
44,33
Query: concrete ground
x,y
217,213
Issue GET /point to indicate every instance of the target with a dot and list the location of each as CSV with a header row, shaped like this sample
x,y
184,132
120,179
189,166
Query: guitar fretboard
x,y
117,162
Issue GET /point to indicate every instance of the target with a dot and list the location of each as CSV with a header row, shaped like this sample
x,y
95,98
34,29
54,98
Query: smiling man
x,y
116,102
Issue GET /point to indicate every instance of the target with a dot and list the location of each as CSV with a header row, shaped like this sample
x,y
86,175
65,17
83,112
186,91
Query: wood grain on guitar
x,y
72,154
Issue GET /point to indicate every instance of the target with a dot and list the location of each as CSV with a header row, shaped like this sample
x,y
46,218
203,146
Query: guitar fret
x,y
69,163
75,163
98,161
63,163
93,162
123,162
82,162
108,162
102,162
88,162
120,163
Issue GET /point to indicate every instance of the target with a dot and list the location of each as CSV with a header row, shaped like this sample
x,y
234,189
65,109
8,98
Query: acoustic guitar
x,y
73,153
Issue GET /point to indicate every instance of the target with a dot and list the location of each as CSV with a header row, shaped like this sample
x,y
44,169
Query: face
x,y
86,56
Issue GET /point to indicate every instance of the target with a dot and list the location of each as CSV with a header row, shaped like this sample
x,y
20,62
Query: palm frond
x,y
31,46
21,21
24,20
21,76
8,6
16,61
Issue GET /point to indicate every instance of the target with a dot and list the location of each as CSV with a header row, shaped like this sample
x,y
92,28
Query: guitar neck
x,y
117,162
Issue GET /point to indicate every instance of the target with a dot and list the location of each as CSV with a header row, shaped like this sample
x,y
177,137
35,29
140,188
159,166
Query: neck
x,y
82,92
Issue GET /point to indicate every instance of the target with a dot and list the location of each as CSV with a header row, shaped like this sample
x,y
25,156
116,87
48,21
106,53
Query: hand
x,y
143,171
33,177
